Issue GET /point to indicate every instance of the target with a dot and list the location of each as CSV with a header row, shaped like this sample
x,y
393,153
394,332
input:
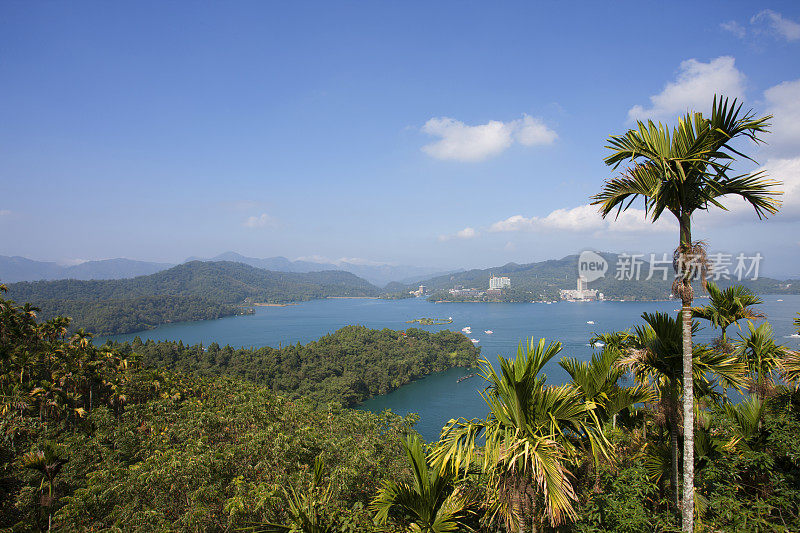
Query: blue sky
x,y
447,134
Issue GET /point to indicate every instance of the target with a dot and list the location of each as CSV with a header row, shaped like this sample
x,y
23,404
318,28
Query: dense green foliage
x,y
132,449
348,366
110,317
191,291
398,295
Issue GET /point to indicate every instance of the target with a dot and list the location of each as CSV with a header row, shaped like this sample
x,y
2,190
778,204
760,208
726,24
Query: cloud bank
x,y
460,142
584,218
261,221
694,88
777,25
766,22
466,233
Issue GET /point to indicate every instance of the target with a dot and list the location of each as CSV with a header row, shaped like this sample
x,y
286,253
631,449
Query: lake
x,y
438,398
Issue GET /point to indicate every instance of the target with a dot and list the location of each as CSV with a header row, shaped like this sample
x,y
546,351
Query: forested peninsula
x,y
346,367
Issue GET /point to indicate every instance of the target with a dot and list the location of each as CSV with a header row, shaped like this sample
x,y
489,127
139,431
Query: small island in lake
x,y
430,321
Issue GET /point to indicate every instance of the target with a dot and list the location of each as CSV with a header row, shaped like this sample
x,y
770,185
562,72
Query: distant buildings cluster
x,y
582,293
495,290
419,292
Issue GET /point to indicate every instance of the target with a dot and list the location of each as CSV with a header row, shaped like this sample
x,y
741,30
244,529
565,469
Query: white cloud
x,y
466,233
359,261
4,212
342,260
261,221
735,28
584,218
694,88
783,102
530,131
71,261
779,26
314,259
788,172
461,142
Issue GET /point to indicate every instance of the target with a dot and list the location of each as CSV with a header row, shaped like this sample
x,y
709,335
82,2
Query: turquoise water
x,y
438,398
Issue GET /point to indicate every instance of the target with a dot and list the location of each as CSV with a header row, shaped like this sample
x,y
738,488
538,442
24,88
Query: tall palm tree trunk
x,y
673,470
688,381
725,347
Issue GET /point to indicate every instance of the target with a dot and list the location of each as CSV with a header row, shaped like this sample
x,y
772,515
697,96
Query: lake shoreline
x,y
261,304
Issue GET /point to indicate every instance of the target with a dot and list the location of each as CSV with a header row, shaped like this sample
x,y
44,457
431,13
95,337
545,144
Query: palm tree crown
x,y
728,306
532,431
687,169
432,502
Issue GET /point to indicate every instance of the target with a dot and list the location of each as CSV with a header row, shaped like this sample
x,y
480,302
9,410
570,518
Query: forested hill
x,y
542,280
191,291
346,367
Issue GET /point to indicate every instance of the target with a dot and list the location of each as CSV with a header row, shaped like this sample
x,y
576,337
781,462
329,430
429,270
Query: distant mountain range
x,y
377,274
13,269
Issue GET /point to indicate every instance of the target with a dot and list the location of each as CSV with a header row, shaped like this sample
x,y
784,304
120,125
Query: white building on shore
x,y
582,293
497,282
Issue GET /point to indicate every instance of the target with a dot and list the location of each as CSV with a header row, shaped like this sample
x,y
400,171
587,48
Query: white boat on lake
x,y
590,322
475,341
488,332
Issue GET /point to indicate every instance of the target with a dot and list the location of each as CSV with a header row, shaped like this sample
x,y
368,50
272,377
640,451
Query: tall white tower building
x,y
496,282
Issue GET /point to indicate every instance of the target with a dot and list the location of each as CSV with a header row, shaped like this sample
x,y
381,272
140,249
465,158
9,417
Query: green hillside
x,y
191,291
543,280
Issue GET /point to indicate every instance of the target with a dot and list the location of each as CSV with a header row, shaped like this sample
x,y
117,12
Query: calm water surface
x,y
438,398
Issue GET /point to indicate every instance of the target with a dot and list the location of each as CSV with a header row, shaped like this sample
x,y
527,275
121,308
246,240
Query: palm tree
x,y
728,306
597,381
432,502
306,510
790,368
531,431
48,463
683,171
790,365
653,352
762,356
